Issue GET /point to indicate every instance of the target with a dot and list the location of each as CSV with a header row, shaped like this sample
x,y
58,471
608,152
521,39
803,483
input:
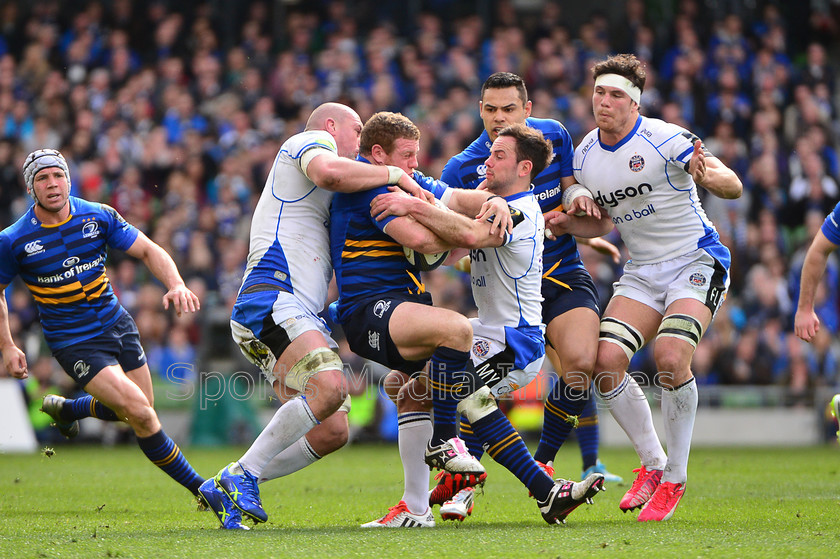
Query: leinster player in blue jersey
x,y
806,321
388,316
570,307
58,248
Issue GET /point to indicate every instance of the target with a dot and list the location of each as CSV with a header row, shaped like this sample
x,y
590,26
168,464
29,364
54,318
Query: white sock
x,y
630,409
294,458
679,408
292,421
415,430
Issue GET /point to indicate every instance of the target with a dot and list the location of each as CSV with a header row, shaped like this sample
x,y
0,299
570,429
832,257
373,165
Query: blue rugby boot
x,y
600,468
52,406
241,487
228,515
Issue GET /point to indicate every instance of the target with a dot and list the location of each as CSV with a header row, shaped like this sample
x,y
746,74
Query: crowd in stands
x,y
172,113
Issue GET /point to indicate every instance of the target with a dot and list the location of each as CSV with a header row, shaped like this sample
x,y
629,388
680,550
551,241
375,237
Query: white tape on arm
x,y
446,196
573,192
309,155
394,174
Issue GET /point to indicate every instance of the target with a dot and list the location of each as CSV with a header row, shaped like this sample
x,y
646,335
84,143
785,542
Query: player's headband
x,y
622,83
42,159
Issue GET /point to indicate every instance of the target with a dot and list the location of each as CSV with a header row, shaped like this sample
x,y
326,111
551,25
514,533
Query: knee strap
x,y
682,326
621,334
317,360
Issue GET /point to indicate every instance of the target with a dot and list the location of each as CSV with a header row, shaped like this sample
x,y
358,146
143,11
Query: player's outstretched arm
x,y
561,223
806,322
163,267
455,229
340,174
13,358
710,173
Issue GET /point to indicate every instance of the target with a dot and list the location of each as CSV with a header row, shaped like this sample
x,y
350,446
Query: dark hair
x,y
502,80
530,146
384,128
626,65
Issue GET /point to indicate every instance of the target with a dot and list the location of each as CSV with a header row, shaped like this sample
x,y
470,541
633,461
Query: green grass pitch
x,y
89,501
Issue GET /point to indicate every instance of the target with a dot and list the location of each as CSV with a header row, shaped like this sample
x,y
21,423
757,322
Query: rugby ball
x,y
424,262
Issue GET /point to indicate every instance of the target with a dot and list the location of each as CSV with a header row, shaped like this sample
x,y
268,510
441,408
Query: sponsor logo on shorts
x,y
34,247
90,230
373,340
70,262
381,307
81,368
637,163
697,279
481,348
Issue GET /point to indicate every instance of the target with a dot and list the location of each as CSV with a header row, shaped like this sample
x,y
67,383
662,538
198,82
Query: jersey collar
x,y
33,217
519,195
624,140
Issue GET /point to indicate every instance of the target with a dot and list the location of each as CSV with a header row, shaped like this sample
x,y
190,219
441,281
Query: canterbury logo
x,y
33,247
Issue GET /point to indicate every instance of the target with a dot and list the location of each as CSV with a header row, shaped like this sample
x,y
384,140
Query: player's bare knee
x,y
458,334
413,396
583,363
393,383
610,359
329,388
334,437
141,417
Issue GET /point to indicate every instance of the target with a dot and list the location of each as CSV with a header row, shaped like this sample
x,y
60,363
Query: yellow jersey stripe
x,y
55,301
51,291
370,253
351,243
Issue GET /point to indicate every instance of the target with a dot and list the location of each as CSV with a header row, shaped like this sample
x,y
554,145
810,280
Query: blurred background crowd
x,y
172,112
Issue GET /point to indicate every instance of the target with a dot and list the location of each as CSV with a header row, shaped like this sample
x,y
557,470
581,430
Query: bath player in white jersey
x,y
645,172
508,335
275,318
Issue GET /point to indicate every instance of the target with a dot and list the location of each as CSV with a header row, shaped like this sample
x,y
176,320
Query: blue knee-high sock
x,y
563,405
588,433
165,454
86,406
472,442
452,378
506,447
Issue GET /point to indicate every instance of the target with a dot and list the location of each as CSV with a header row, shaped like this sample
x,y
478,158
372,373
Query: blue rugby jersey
x,y
63,266
831,226
367,261
467,170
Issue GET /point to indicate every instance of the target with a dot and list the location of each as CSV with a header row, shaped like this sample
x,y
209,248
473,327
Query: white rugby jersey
x,y
290,241
507,280
644,185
